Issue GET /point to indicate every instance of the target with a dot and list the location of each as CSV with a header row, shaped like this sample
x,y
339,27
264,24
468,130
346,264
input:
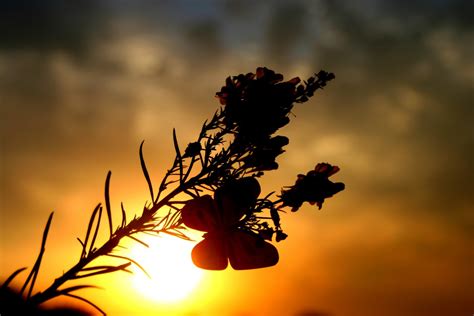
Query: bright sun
x,y
168,262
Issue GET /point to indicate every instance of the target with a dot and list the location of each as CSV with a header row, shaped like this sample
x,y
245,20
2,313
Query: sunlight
x,y
168,262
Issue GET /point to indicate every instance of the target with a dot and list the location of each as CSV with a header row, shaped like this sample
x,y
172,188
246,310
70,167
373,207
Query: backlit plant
x,y
219,175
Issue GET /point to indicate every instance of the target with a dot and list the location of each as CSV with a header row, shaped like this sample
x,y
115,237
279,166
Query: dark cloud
x,y
202,42
286,31
52,25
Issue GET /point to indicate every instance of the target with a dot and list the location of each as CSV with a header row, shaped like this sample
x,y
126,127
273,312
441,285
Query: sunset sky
x,y
83,83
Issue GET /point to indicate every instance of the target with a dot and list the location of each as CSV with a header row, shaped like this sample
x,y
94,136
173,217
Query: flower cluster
x,y
313,187
257,104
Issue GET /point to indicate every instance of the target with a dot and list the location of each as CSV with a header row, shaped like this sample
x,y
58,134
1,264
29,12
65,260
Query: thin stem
x,y
172,222
106,249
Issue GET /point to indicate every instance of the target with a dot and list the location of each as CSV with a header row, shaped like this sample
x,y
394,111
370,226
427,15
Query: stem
x,y
138,224
134,226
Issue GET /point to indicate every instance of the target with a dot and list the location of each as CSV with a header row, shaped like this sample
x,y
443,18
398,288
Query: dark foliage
x,y
218,172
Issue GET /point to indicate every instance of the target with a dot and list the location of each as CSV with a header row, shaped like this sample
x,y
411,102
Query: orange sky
x,y
81,87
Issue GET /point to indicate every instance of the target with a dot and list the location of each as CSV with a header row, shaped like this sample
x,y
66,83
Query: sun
x,y
168,262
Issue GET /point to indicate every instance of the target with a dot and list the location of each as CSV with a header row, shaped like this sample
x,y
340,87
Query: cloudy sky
x,y
81,85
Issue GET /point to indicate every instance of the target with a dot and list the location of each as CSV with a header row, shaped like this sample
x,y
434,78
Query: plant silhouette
x,y
232,151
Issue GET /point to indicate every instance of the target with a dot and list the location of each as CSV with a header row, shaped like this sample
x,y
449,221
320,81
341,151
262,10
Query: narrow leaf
x,y
34,271
178,155
86,301
96,268
145,172
107,200
80,241
89,227
124,215
75,288
177,234
131,260
91,247
11,277
138,241
110,269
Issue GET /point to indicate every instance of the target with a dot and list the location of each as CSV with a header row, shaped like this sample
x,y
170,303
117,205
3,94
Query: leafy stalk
x,y
227,149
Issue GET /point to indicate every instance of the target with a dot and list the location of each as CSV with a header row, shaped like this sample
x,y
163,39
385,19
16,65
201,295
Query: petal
x,y
235,198
200,213
230,213
210,254
249,189
249,251
295,81
326,169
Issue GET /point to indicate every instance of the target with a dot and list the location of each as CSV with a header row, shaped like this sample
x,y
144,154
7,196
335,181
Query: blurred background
x,y
83,83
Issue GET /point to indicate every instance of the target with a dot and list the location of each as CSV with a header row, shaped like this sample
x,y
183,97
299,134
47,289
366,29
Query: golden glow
x,y
168,262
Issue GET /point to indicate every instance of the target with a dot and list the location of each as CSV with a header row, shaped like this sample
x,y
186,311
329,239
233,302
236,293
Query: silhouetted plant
x,y
233,149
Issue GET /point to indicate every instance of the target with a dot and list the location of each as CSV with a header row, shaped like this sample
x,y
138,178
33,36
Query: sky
x,y
82,84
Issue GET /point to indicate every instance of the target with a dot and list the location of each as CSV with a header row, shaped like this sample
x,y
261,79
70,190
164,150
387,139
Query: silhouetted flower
x,y
224,240
313,187
266,233
257,105
192,150
263,157
280,236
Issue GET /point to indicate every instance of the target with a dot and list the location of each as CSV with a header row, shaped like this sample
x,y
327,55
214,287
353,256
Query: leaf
x,y
91,248
145,172
107,200
86,301
138,240
105,269
11,277
177,234
124,215
89,227
178,155
80,241
75,288
131,260
34,271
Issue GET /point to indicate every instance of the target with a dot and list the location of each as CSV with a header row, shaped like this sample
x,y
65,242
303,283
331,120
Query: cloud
x,y
401,97
52,26
286,31
401,92
82,85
